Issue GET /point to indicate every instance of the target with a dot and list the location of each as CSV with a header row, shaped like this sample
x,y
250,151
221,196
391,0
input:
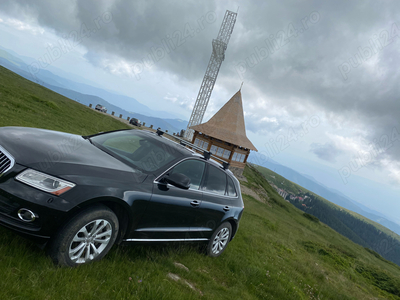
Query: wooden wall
x,y
221,144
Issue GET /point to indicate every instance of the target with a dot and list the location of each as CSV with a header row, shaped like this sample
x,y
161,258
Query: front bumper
x,y
15,195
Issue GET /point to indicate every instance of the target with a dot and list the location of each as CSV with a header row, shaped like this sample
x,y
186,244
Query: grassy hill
x,y
280,181
356,227
332,195
23,103
296,189
278,253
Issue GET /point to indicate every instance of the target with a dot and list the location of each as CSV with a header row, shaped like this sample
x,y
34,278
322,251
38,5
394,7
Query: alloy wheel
x,y
90,241
220,241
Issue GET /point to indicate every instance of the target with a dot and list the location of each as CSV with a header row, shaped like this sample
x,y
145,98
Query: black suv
x,y
135,122
79,195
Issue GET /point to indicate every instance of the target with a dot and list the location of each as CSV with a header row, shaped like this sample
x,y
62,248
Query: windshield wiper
x,y
88,138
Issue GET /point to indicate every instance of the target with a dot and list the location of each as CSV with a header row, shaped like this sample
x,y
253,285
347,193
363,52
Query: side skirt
x,y
166,240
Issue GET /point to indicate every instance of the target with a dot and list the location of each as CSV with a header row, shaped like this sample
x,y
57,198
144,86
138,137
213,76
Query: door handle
x,y
226,208
195,203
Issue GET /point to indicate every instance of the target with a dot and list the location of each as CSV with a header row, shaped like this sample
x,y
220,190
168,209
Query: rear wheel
x,y
85,238
219,240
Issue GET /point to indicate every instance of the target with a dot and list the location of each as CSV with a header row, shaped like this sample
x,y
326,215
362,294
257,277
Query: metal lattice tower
x,y
219,46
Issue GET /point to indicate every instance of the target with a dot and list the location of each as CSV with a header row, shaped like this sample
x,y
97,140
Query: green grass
x,y
296,189
280,181
23,103
311,217
278,253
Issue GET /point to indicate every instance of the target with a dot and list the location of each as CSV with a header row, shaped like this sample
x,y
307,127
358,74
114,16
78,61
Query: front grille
x,y
6,161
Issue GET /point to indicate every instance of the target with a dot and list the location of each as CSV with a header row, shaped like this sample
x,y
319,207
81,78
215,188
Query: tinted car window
x,y
193,169
142,151
215,181
231,191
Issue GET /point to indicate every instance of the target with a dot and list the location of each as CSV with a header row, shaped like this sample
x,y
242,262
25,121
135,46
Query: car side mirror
x,y
179,180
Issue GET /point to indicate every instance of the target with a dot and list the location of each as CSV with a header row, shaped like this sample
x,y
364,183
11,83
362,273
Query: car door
x,y
215,204
171,209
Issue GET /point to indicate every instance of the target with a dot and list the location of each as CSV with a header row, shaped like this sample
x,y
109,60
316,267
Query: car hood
x,y
59,153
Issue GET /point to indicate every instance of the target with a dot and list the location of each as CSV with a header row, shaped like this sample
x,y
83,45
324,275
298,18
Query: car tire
x,y
219,240
87,237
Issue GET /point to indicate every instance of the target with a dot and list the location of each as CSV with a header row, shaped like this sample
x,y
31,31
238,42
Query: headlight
x,y
45,182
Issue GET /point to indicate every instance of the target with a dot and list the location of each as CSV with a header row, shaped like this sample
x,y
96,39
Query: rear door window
x,y
215,181
231,191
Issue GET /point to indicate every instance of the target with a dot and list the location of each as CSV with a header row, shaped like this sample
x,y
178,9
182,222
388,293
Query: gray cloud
x,y
326,68
327,151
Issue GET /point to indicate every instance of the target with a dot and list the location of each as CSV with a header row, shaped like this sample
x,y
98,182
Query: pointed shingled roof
x,y
228,124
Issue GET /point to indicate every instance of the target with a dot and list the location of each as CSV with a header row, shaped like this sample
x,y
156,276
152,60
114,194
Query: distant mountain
x,y
113,101
172,125
363,207
73,77
19,67
354,226
332,195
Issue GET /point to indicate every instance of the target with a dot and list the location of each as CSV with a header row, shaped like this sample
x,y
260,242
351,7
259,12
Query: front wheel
x,y
219,240
85,238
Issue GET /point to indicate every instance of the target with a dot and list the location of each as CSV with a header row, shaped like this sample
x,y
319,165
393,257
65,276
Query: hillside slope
x,y
354,226
87,94
332,195
278,253
24,103
20,65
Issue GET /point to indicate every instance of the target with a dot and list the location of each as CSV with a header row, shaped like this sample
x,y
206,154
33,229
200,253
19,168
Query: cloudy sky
x,y
320,93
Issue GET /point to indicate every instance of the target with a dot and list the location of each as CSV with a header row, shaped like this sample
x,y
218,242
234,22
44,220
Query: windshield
x,y
141,150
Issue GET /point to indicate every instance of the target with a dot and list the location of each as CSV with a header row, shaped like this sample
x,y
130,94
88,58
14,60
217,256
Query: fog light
x,y
26,215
